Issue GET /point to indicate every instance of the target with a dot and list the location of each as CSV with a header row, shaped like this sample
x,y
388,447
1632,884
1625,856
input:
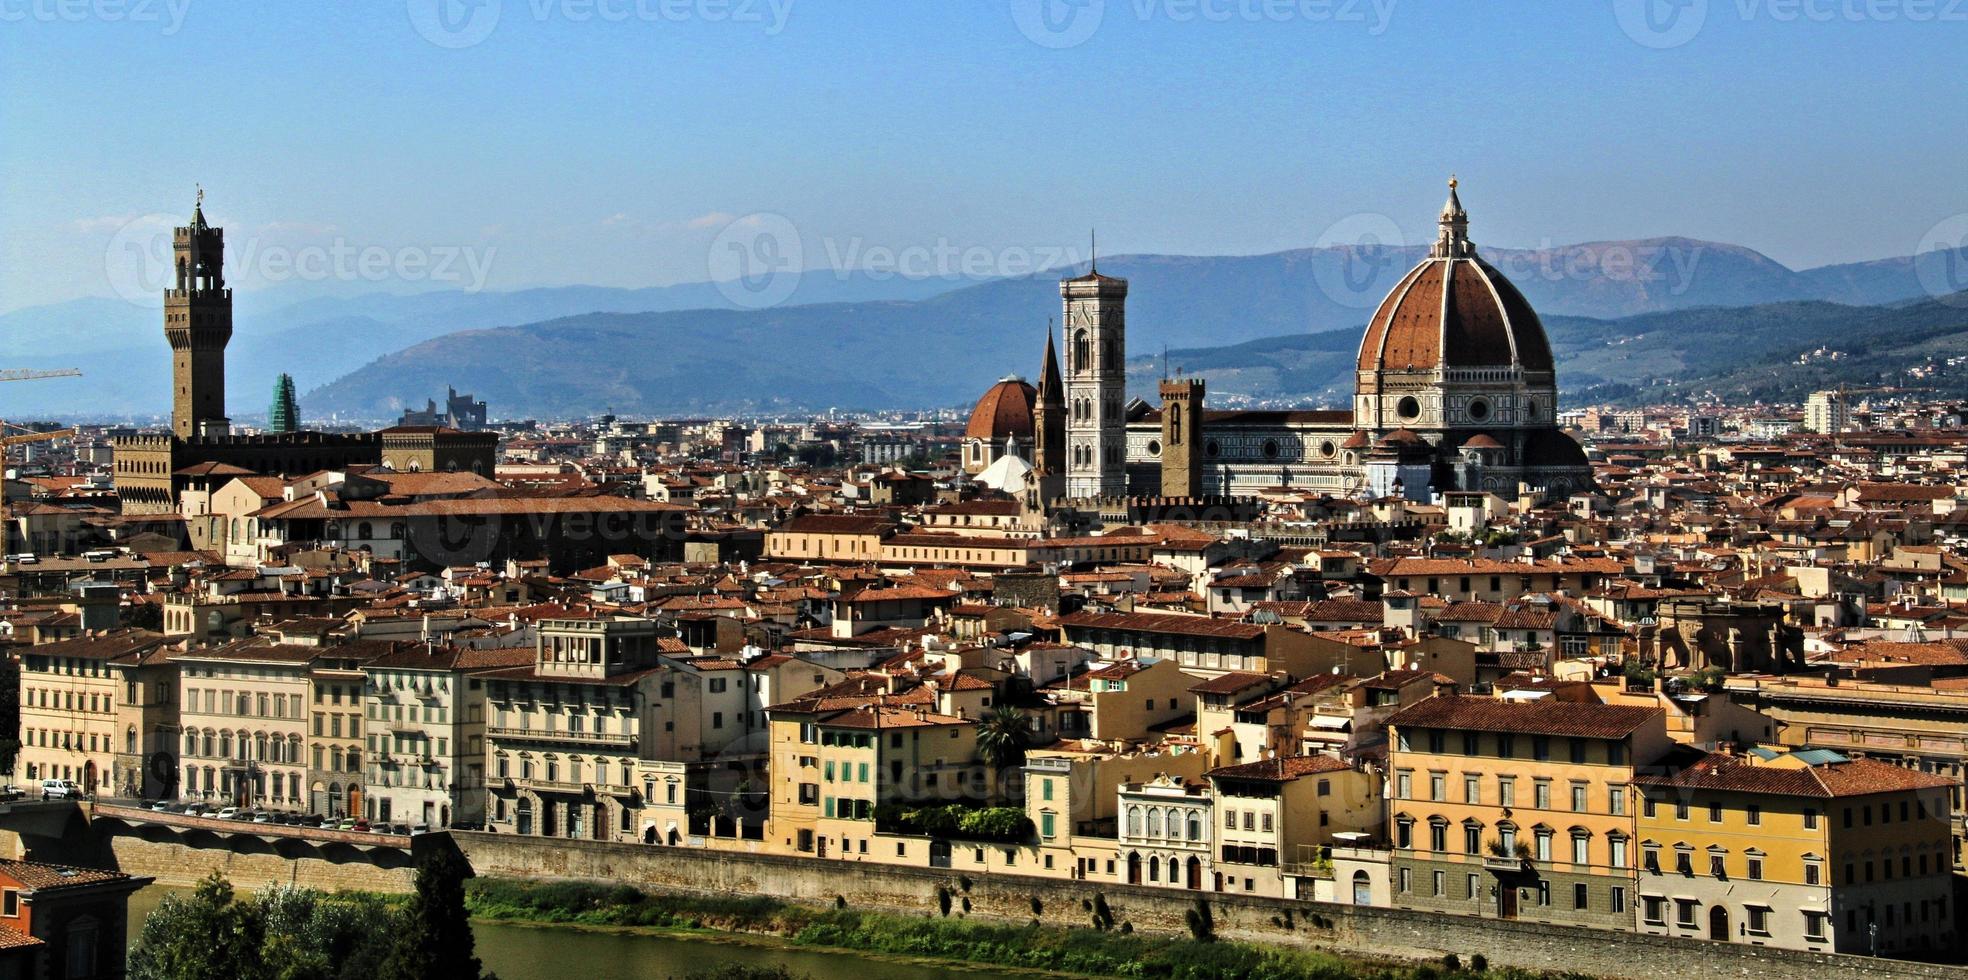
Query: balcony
x,y
1504,863
612,740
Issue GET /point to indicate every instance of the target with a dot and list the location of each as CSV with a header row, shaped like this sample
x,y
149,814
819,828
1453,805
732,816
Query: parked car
x,y
261,816
164,806
346,823
360,826
11,792
197,809
59,789
230,813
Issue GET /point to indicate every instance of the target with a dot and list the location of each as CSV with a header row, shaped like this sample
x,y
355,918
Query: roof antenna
x,y
1093,253
1165,373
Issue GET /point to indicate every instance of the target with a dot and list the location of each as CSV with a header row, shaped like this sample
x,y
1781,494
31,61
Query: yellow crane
x,y
28,436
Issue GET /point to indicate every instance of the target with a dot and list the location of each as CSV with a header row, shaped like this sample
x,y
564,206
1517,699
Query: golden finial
x,y
1452,182
201,194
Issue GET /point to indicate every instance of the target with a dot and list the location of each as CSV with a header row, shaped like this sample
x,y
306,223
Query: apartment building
x,y
244,711
566,733
423,707
1518,808
1273,813
100,710
833,766
1071,800
1803,850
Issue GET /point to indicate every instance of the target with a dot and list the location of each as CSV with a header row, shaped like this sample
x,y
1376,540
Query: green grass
x,y
1084,951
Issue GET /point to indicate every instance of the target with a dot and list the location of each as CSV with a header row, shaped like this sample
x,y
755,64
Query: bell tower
x,y
1182,432
1096,384
198,324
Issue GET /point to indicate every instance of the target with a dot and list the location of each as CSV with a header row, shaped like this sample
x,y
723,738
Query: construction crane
x,y
21,374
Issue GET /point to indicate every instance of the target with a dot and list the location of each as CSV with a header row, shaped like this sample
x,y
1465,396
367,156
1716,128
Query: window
x,y
1680,809
1578,798
1440,880
1810,818
1684,862
1403,785
1438,834
1544,845
1581,849
1472,789
1404,833
10,903
1618,847
1715,812
1754,869
1755,815
1814,924
1684,912
1541,794
1718,865
1578,751
1759,920
1579,896
1506,791
1811,873
1472,838
1653,909
1438,787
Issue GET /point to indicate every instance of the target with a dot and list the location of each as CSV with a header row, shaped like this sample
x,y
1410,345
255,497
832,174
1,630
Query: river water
x,y
528,952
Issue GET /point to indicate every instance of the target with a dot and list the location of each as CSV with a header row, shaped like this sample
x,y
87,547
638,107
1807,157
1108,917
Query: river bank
x,y
942,935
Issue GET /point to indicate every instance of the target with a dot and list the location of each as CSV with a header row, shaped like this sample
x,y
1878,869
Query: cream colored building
x,y
245,723
98,710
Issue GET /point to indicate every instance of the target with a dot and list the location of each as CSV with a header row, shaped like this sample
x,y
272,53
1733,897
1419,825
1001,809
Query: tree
x,y
1002,737
435,941
205,934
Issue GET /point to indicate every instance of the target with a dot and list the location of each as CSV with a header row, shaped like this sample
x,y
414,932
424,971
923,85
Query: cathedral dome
x,y
1004,412
1454,310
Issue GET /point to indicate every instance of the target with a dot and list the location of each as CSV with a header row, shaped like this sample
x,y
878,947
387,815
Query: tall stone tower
x,y
1049,428
1182,437
1096,384
198,323
284,414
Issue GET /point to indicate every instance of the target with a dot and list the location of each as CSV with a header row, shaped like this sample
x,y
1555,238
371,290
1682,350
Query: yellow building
x,y
1275,812
1518,807
100,711
832,766
1803,850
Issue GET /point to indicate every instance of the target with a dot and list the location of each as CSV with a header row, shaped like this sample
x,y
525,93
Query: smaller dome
x,y
1005,411
1402,437
1481,440
1358,440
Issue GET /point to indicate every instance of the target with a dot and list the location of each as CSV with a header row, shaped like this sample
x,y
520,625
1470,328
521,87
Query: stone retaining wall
x,y
1011,898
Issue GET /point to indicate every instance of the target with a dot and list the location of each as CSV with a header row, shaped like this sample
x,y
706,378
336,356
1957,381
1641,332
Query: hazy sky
x,y
611,141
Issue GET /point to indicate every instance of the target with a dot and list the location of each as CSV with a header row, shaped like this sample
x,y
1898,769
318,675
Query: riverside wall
x,y
1018,899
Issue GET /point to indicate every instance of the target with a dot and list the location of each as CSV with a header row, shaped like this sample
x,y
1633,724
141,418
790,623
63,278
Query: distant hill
x,y
1768,352
683,348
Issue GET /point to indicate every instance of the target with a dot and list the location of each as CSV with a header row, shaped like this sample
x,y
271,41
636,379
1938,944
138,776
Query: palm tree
x,y
1002,736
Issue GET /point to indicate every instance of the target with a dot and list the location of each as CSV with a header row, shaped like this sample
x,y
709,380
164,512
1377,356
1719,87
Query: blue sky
x,y
609,141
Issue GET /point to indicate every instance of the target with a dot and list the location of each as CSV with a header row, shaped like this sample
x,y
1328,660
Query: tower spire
x,y
1093,252
1452,242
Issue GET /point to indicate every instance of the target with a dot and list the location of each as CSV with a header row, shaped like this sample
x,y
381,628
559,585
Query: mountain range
x,y
855,341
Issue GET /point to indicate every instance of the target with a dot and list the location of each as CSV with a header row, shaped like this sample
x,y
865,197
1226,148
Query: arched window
x,y
191,743
1195,827
396,530
365,531
1175,425
1154,823
1134,821
1082,351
